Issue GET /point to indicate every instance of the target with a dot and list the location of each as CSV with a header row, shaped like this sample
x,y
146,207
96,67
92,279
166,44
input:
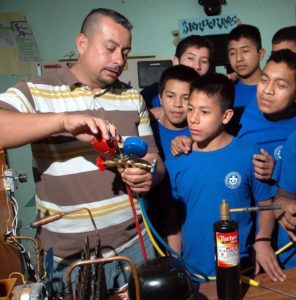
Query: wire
x,y
200,274
131,199
15,219
18,274
284,248
159,251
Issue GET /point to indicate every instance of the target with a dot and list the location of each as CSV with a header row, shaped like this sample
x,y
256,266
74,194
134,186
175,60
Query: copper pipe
x,y
102,260
59,215
256,208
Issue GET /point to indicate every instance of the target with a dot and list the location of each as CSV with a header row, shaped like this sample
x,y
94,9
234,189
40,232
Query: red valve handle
x,y
106,148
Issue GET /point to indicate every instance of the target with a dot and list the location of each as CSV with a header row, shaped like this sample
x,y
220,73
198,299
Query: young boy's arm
x,y
181,145
263,165
175,241
264,253
286,216
173,229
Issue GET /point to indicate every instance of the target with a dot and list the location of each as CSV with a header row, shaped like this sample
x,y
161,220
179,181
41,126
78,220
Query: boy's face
x,y
276,90
205,117
195,58
284,45
244,57
174,99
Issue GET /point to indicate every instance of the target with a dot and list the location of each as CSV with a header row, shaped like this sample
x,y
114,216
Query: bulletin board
x,y
18,48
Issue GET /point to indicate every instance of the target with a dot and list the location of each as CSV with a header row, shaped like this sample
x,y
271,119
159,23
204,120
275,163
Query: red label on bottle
x,y
227,249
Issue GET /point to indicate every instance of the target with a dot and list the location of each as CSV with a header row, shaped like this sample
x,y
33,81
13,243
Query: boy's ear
x,y
228,114
262,53
176,61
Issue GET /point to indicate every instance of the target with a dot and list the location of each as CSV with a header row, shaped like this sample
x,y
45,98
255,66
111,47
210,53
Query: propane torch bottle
x,y
227,256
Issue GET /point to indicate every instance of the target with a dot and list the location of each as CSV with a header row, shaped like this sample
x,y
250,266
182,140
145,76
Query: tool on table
x,y
255,283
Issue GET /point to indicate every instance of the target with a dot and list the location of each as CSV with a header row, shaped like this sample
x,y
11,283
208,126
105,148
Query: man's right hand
x,y
181,145
18,129
85,127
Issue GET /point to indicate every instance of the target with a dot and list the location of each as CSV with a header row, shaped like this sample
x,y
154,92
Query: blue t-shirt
x,y
200,180
286,168
287,178
148,92
155,101
269,135
244,93
165,136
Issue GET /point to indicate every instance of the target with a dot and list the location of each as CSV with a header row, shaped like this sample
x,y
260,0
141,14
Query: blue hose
x,y
170,249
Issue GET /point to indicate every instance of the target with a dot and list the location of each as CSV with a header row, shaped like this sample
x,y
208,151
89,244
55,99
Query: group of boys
x,y
219,165
61,113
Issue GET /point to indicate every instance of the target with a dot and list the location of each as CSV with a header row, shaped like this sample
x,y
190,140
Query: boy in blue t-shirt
x,y
174,86
219,167
270,118
245,53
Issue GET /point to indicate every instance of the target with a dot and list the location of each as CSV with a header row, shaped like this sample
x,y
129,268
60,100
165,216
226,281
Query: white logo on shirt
x,y
278,152
233,180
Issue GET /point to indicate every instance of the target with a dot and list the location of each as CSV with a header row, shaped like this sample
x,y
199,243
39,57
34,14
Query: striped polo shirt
x,y
65,172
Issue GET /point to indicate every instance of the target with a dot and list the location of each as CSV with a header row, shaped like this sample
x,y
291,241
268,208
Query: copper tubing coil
x,y
102,260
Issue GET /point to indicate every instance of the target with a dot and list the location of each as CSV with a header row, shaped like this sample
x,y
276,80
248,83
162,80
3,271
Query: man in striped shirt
x,y
59,114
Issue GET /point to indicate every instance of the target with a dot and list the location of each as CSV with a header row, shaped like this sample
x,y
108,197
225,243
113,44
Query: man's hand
x,y
181,145
266,257
85,127
139,180
263,165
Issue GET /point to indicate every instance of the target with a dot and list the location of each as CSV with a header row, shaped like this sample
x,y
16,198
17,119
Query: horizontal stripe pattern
x,y
17,99
105,213
65,169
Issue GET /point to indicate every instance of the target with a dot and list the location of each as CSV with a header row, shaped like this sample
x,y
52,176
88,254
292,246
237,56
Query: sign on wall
x,y
207,26
18,47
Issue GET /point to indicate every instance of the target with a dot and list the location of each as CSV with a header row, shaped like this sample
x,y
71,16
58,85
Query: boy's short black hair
x,y
284,56
194,41
216,86
245,31
104,12
178,72
284,34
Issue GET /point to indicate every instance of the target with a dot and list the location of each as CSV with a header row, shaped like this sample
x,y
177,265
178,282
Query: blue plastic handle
x,y
135,147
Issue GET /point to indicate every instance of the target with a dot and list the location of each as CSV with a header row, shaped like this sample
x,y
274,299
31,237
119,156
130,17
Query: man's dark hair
x,y
284,34
245,31
178,72
104,12
216,86
194,41
284,56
